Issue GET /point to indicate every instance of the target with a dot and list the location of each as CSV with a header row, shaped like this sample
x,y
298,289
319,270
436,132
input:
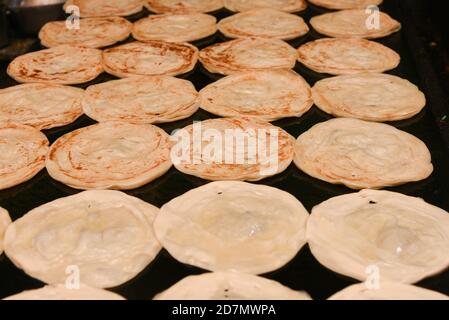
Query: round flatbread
x,y
369,96
346,4
347,56
175,27
5,221
263,23
229,286
110,155
281,5
248,54
265,95
232,149
150,58
380,235
59,65
233,226
60,292
354,24
183,6
92,32
99,238
387,291
40,105
156,99
362,154
22,155
105,8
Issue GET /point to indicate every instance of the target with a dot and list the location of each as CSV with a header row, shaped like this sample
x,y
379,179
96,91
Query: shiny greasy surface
x,y
303,272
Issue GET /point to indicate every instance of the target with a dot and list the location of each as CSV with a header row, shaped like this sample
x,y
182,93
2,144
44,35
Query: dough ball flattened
x,y
64,64
229,286
232,149
106,8
265,95
233,226
183,6
263,23
338,56
156,99
380,233
104,237
175,27
22,153
93,32
110,155
60,292
281,5
362,154
40,105
248,54
369,96
346,4
354,24
150,58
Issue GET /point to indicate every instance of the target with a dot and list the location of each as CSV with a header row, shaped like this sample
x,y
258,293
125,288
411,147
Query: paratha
x,y
110,155
232,149
58,65
150,58
353,24
233,226
281,5
263,23
98,238
5,221
346,4
387,291
248,54
183,6
106,8
42,106
23,150
347,56
175,27
362,154
60,292
266,95
369,96
229,286
380,236
156,99
92,33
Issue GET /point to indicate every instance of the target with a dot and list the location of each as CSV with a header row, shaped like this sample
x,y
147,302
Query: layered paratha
x,y
60,292
281,5
105,8
346,4
5,221
183,6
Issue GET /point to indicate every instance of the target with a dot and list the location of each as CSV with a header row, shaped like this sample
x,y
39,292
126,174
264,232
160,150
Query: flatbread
x,y
232,149
263,23
233,226
110,155
281,5
60,292
156,99
265,95
5,221
59,65
387,291
229,286
353,23
23,151
345,4
175,27
380,235
248,54
101,238
362,154
150,58
106,8
39,105
347,56
369,96
93,32
183,6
